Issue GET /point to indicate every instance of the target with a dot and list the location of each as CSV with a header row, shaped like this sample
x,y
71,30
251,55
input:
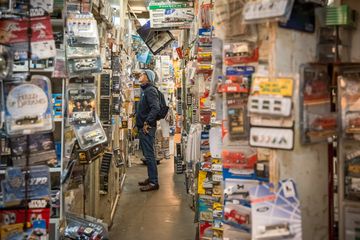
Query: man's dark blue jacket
x,y
148,107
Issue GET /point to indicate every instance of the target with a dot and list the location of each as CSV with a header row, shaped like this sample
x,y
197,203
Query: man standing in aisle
x,y
146,116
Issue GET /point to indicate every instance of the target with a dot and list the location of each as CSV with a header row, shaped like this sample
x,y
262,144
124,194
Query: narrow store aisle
x,y
160,215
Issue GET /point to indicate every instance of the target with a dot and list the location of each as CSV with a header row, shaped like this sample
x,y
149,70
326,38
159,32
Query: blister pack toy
x,y
317,121
90,135
240,160
38,192
267,10
349,96
28,106
352,175
81,104
240,53
14,33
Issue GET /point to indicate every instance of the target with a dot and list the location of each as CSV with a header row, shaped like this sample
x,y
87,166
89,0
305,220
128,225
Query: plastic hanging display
x,y
90,135
352,175
81,104
267,10
28,106
14,33
349,96
317,121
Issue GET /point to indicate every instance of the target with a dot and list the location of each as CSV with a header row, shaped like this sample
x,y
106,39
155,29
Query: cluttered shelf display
x,y
240,89
51,131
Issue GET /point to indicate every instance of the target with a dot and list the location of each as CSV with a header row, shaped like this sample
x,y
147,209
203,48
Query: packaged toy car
x,y
28,106
89,136
81,105
349,94
88,65
240,53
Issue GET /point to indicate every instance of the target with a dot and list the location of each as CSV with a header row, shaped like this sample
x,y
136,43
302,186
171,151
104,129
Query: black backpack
x,y
163,108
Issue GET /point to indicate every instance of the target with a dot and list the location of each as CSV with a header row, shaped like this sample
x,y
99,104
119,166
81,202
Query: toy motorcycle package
x,y
349,96
28,107
81,104
90,135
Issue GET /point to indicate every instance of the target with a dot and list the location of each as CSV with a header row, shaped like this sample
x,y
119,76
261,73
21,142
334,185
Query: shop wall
x,y
307,165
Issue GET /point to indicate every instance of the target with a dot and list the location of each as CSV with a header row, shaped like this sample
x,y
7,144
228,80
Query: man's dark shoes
x,y
150,187
144,183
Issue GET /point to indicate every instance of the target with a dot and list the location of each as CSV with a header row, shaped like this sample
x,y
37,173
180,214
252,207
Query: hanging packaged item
x,y
14,32
276,214
38,194
28,106
349,96
228,19
81,103
267,10
91,135
240,53
317,123
83,45
302,18
76,6
6,62
237,207
352,175
239,162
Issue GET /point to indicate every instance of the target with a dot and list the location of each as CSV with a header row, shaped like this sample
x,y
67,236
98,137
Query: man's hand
x,y
146,128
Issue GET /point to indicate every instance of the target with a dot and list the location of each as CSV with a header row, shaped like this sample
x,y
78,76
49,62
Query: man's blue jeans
x,y
147,144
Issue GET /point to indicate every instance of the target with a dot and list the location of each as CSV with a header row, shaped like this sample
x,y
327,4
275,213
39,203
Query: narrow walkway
x,y
157,215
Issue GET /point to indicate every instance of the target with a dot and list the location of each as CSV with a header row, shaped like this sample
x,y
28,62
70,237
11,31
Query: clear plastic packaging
x,y
267,10
317,121
349,96
28,107
240,53
90,135
81,104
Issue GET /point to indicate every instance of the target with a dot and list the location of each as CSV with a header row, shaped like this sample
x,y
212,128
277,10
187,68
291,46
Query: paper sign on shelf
x,y
267,86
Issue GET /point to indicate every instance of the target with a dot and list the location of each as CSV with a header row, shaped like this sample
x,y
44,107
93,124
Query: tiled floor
x,y
157,215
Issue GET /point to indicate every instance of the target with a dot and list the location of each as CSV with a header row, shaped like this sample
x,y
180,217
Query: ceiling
x,y
139,7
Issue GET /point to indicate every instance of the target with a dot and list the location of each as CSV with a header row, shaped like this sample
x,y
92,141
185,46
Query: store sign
x,y
267,86
171,15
